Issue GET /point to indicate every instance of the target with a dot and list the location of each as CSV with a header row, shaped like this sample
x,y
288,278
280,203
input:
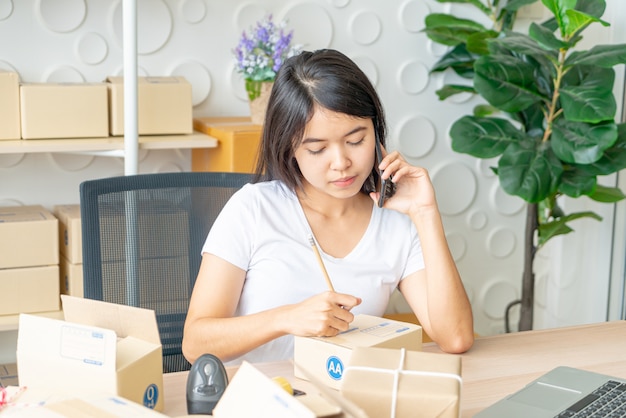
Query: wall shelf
x,y
112,145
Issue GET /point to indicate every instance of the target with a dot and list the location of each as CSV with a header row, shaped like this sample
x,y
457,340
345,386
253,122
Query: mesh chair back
x,y
142,240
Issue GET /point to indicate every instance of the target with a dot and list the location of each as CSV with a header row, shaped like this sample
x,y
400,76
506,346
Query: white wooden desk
x,y
493,368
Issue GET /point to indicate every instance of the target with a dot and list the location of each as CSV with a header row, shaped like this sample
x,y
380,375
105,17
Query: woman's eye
x,y
359,142
315,151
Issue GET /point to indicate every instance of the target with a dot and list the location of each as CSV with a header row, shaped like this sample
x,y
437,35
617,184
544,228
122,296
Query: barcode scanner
x,y
206,382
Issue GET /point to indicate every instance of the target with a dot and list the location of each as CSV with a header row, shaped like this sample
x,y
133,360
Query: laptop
x,y
563,392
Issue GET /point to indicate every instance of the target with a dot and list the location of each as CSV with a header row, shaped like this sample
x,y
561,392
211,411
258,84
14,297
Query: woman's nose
x,y
340,159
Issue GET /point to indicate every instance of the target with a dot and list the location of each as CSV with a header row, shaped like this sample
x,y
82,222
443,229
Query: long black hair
x,y
324,77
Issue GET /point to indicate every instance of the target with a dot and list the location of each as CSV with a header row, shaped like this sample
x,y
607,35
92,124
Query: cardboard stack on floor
x,y
29,260
70,249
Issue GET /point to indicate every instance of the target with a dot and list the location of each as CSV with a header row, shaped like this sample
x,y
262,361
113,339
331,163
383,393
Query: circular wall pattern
x,y
485,166
6,66
315,27
63,74
62,15
408,12
457,244
501,242
416,137
10,160
496,295
198,76
477,220
71,162
505,203
91,48
459,183
339,4
154,25
413,77
368,67
247,15
193,11
365,28
6,8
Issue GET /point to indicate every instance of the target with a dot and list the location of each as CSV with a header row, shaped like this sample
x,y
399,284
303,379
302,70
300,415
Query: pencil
x,y
321,263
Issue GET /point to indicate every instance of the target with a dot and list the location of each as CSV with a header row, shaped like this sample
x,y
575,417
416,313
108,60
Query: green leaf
x,y
581,143
613,160
514,5
587,103
545,37
577,21
593,8
506,82
483,137
559,9
529,170
483,110
476,3
607,194
459,59
449,90
523,44
450,30
606,56
575,183
477,42
558,227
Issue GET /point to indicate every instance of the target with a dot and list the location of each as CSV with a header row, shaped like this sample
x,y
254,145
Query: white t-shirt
x,y
263,230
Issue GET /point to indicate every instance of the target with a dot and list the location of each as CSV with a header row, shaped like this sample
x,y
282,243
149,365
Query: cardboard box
x,y
164,105
29,290
428,384
100,348
326,358
71,278
70,235
64,110
9,105
238,149
29,237
43,404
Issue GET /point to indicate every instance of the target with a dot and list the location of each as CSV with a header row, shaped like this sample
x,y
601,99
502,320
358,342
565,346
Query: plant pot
x,y
259,98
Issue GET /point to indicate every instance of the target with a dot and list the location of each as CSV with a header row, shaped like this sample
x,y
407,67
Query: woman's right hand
x,y
323,315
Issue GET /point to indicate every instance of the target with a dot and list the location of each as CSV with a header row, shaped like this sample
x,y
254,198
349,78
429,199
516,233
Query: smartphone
x,y
386,186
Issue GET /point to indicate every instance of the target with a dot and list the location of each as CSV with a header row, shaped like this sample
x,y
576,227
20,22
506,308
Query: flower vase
x,y
258,96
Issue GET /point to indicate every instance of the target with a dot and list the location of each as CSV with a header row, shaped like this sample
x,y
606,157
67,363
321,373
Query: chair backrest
x,y
142,240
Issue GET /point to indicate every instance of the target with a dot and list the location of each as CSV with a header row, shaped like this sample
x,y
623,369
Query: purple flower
x,y
260,55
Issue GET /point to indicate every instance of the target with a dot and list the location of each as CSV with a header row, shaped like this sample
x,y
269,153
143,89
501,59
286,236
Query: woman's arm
x,y
211,327
436,294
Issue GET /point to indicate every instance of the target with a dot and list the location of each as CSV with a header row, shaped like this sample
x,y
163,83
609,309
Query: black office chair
x,y
142,240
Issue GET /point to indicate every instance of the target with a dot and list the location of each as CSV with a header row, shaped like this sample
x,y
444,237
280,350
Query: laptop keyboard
x,y
607,401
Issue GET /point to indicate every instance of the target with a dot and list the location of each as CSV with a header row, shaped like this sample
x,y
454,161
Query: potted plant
x,y
258,57
549,111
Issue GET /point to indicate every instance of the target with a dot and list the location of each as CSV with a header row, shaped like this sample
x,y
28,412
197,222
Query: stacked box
x,y
70,249
29,260
64,110
164,106
9,105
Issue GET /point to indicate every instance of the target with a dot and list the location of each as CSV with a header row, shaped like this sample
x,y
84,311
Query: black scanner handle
x,y
206,382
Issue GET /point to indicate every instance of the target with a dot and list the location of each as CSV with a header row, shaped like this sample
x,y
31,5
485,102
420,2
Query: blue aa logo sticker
x,y
151,396
334,367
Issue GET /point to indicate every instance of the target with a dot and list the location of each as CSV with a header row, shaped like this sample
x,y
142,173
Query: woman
x,y
260,283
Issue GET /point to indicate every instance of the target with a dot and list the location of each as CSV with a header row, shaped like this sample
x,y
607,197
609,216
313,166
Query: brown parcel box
x,y
9,105
29,289
100,348
164,105
64,110
70,235
326,357
29,237
71,282
428,384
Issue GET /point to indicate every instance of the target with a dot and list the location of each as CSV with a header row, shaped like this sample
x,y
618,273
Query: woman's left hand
x,y
414,189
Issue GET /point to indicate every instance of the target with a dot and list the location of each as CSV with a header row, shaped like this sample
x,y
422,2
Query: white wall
x,y
80,40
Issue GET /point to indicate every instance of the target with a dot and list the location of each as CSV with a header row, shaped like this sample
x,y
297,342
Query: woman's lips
x,y
344,182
